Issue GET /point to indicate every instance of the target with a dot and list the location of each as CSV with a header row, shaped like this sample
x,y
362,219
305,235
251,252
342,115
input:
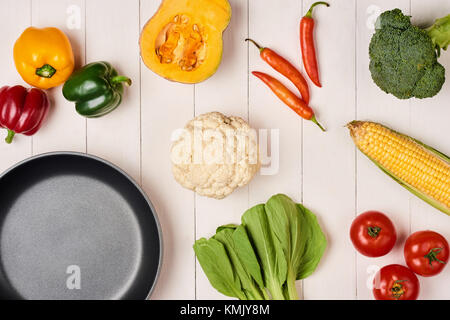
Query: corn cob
x,y
419,168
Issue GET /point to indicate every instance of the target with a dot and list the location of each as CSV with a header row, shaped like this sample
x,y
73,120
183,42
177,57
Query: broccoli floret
x,y
403,58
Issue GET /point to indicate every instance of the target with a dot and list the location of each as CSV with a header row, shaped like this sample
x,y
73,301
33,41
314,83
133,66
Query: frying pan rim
x,y
126,175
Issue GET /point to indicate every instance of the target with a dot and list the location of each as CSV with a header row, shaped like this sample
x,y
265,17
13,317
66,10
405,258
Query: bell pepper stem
x,y
313,119
46,71
118,79
10,136
309,13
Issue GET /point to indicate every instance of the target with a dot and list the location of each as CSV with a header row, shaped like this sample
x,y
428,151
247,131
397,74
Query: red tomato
x,y
395,282
426,253
373,234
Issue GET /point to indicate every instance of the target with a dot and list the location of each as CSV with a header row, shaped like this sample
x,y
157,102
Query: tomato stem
x,y
432,256
397,289
373,231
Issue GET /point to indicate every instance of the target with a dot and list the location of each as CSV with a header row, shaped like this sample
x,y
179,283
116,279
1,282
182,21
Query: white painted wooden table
x,y
324,171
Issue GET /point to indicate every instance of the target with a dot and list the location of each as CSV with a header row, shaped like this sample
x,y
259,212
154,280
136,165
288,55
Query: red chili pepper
x,y
307,45
288,97
284,67
22,110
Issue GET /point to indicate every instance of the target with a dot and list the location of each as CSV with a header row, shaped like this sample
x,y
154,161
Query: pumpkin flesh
x,y
183,41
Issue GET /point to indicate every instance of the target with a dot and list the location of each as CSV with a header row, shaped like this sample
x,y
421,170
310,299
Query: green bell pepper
x,y
96,89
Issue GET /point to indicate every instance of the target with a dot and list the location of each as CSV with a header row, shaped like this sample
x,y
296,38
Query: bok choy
x,y
276,244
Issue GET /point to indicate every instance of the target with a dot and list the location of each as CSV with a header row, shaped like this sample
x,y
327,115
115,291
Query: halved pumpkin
x,y
183,41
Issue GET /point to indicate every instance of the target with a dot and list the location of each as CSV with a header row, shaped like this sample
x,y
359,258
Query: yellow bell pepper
x,y
43,57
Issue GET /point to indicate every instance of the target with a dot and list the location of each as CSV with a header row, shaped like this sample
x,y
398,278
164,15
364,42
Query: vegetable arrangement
x,y
280,64
44,59
403,62
276,244
426,253
280,241
403,57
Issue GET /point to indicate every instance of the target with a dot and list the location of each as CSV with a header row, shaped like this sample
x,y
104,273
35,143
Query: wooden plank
x,y
113,34
226,92
167,106
329,158
15,16
430,120
283,173
376,191
64,130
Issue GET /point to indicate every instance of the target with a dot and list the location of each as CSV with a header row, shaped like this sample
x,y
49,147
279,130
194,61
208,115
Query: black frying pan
x,y
73,226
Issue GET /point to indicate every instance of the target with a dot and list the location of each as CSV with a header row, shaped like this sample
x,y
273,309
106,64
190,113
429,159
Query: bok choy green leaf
x,y
276,244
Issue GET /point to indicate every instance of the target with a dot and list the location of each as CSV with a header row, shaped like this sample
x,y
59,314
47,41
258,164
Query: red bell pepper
x,y
22,110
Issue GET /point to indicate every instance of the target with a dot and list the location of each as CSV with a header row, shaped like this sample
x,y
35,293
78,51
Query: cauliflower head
x,y
215,154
